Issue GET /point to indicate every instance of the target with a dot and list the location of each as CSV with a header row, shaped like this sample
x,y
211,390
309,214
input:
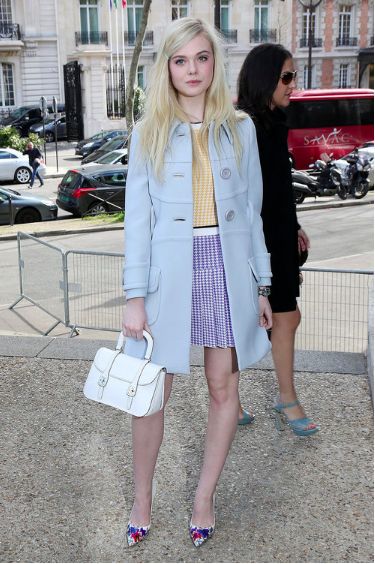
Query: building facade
x,y
38,38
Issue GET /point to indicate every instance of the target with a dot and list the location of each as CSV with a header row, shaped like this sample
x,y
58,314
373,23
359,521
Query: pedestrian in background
x,y
35,160
196,266
266,81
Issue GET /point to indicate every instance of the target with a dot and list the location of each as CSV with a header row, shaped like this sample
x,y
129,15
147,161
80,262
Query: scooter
x,y
354,174
326,182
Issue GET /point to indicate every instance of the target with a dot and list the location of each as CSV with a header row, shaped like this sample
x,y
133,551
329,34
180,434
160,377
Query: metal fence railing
x,y
84,289
334,305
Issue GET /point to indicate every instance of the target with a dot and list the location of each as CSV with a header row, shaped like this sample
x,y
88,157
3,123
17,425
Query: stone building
x,y
39,38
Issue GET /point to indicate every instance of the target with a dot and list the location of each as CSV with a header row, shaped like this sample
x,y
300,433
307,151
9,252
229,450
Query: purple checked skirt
x,y
210,314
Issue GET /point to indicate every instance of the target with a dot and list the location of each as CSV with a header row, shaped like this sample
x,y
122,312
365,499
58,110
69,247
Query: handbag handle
x,y
149,341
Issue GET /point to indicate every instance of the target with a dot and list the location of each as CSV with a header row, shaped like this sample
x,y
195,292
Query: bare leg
x,y
284,327
147,433
222,379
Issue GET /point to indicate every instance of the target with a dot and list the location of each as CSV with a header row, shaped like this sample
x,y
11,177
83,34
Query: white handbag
x,y
134,385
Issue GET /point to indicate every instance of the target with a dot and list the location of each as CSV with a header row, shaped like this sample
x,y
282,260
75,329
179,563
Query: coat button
x,y
229,215
225,173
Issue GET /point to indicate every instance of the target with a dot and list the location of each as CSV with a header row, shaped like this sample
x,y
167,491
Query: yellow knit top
x,y
204,206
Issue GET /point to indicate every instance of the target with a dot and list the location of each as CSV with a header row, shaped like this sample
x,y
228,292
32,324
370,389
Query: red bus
x,y
328,121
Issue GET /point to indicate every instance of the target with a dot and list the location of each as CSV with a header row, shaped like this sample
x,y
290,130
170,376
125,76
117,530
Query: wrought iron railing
x,y
262,35
346,41
9,31
230,35
316,42
131,36
91,37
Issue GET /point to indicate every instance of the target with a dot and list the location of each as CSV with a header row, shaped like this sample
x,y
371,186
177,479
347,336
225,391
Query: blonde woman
x,y
196,267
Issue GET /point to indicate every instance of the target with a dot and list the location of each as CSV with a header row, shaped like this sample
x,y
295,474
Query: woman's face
x,y
191,68
281,95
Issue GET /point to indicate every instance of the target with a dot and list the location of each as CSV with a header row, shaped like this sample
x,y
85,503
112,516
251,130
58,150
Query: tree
x,y
134,65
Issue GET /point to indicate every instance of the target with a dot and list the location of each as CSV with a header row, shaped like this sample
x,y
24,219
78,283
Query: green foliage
x,y
9,137
106,217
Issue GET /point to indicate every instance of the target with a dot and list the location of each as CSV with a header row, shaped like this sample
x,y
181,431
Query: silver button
x,y
229,215
225,173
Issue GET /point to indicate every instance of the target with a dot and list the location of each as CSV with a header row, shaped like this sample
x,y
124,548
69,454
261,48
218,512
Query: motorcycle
x,y
354,172
323,180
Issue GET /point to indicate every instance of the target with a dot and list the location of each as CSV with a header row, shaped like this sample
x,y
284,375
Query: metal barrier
x,y
95,295
42,276
334,306
84,289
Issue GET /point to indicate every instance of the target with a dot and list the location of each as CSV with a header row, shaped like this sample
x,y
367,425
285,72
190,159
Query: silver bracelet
x,y
264,291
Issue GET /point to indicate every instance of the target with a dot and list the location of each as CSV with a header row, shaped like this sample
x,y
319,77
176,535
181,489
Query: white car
x,y
119,156
14,166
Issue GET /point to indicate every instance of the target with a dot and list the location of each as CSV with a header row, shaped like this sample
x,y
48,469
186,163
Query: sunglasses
x,y
288,76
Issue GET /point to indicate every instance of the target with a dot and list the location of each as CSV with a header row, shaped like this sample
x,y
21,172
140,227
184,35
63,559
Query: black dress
x,y
279,211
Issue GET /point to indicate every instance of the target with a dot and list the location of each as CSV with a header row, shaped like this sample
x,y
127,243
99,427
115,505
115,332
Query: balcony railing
x,y
91,37
372,41
346,41
130,37
9,31
262,35
316,42
230,35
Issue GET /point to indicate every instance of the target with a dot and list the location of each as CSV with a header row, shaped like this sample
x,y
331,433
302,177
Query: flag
x,y
115,3
110,4
123,2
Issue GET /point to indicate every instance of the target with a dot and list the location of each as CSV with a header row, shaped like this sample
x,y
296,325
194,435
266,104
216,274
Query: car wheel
x,y
28,215
22,175
49,136
97,209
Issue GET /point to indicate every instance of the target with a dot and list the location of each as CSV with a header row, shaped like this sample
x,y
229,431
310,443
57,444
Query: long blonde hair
x,y
162,106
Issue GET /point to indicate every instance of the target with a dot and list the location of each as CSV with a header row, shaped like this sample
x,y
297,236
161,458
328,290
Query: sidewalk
x,y
75,225
66,469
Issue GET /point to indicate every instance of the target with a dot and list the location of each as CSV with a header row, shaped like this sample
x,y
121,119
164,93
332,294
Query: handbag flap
x,y
126,368
104,358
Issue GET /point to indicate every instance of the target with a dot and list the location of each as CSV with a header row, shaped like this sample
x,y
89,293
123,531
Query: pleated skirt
x,y
210,316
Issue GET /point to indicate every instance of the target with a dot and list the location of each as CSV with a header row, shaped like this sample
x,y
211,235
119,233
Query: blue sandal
x,y
303,427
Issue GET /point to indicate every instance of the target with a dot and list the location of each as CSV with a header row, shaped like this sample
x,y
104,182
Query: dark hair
x,y
258,79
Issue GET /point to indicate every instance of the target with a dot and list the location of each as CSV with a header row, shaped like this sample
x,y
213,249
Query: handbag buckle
x,y
131,390
102,381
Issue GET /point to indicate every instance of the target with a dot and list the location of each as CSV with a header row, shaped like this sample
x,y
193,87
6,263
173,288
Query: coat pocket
x,y
152,300
254,281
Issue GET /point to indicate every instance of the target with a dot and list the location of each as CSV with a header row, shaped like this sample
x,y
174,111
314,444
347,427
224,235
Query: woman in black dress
x,y
266,81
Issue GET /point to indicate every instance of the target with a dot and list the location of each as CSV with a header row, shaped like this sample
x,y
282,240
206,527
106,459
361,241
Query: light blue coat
x,y
159,243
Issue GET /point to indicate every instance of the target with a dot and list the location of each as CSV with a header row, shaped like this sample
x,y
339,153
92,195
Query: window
x,y
179,9
261,20
345,22
89,19
113,179
306,76
330,113
6,155
134,11
141,77
224,15
306,24
344,76
6,85
5,11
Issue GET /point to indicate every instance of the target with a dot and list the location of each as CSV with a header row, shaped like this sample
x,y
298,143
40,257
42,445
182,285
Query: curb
x,y
110,227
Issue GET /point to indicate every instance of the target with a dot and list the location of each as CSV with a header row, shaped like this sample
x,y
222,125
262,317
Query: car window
x,y
113,178
34,114
6,155
71,178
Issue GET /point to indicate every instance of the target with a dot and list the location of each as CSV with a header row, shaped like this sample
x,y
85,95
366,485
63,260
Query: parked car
x,y
118,142
97,189
24,117
49,129
14,166
25,208
89,145
113,157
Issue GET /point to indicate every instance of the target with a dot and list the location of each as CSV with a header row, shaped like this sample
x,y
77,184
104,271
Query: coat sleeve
x,y
137,224
255,195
